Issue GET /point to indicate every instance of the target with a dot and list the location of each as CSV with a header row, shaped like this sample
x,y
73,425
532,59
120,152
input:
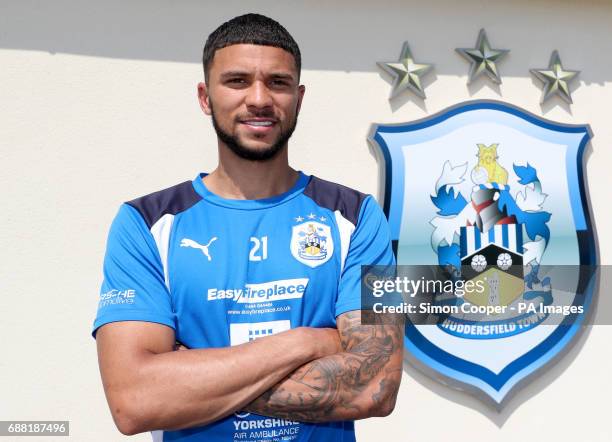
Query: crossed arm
x,y
305,374
360,381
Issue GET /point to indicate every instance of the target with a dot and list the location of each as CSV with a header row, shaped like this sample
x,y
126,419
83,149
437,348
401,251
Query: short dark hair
x,y
254,29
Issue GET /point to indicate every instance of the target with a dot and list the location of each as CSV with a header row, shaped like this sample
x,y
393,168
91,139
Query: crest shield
x,y
311,243
499,193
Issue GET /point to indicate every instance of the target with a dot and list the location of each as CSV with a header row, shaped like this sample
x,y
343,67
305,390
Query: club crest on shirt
x,y
311,242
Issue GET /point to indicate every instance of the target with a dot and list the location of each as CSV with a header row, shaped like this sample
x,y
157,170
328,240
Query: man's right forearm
x,y
182,389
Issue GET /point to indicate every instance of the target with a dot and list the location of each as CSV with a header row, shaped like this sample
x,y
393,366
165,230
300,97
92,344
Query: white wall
x,y
97,106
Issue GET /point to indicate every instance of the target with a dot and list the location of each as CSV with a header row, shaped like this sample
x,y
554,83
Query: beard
x,y
248,153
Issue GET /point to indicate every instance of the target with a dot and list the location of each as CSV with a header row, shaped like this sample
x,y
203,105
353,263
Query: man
x,y
255,269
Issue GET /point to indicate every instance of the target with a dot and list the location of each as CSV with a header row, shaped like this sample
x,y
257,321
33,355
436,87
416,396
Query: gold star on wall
x,y
406,73
483,59
556,79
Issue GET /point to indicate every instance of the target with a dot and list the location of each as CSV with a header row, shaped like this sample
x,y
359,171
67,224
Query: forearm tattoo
x,y
326,389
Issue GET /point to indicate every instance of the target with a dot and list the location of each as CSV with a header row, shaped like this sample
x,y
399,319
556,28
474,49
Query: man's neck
x,y
237,178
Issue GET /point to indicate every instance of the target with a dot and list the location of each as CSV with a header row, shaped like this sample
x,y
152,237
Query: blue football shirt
x,y
224,272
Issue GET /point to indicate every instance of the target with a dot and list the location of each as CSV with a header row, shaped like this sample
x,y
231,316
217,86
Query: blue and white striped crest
x,y
483,180
508,236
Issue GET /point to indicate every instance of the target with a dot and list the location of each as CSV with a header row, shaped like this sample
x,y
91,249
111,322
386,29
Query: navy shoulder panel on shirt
x,y
334,197
172,200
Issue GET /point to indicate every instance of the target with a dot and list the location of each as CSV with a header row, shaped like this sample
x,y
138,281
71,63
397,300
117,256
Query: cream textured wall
x,y
97,106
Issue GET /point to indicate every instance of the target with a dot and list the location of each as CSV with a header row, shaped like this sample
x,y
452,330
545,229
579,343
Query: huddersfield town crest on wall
x,y
495,194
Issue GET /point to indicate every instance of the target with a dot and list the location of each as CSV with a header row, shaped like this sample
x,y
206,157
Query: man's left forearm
x,y
360,382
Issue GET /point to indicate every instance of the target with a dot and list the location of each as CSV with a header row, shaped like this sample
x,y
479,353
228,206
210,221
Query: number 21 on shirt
x,y
259,248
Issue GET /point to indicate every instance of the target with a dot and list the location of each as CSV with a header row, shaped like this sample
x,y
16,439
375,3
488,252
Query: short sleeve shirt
x,y
224,272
